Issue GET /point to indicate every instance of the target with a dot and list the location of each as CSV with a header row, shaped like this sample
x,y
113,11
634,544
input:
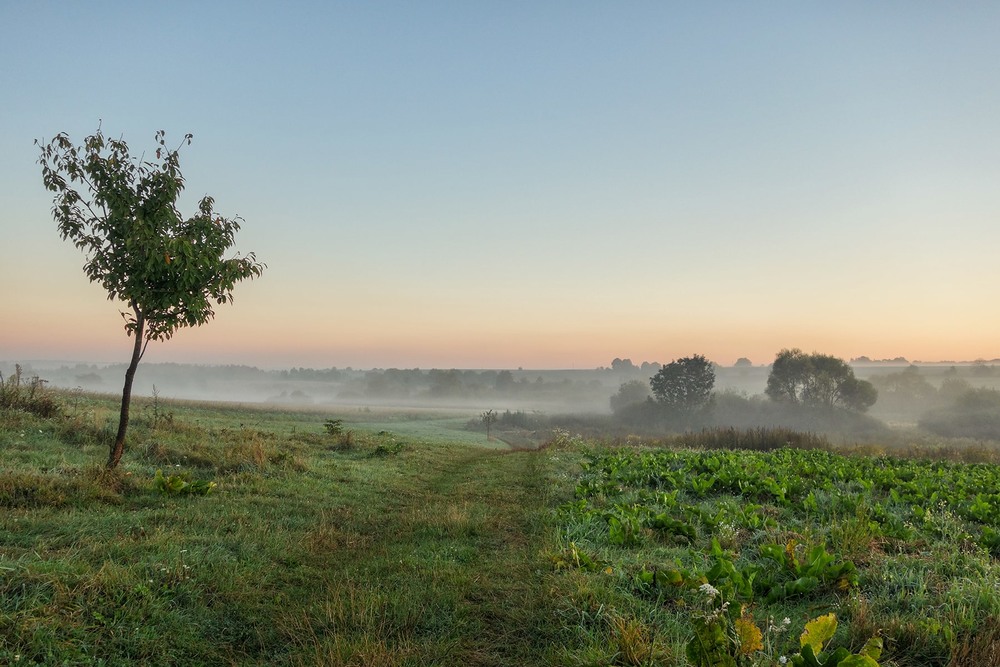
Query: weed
x,y
635,641
181,484
29,395
980,648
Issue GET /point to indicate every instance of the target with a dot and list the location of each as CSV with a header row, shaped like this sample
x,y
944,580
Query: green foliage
x,y
818,633
121,212
181,484
334,426
633,392
804,574
387,448
665,523
818,379
574,558
710,646
684,385
167,270
761,532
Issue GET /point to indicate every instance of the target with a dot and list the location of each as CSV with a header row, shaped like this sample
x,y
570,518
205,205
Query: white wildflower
x,y
709,590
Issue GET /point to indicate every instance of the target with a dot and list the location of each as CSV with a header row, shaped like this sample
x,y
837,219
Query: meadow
x,y
248,535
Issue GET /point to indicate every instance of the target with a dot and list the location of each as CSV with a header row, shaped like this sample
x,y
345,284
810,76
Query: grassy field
x,y
405,540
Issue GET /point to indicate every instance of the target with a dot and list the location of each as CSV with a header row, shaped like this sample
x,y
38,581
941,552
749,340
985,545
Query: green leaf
x,y
873,648
856,661
807,658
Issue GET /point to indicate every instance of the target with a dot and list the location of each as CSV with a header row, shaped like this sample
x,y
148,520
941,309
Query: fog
x,y
952,400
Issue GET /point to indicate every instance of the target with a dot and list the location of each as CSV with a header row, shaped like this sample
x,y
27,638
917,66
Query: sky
x,y
529,184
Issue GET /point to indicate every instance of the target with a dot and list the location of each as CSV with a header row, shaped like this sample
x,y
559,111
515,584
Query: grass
x,y
387,552
406,540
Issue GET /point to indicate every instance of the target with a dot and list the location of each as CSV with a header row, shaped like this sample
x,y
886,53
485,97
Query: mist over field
x,y
952,397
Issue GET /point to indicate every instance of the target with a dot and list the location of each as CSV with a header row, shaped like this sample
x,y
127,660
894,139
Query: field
x,y
243,535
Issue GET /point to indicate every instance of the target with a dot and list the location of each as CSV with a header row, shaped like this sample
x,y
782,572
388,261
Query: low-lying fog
x,y
906,392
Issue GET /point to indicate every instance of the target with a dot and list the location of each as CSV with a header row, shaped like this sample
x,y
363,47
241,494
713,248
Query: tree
x,y
121,211
684,385
619,365
905,393
489,418
504,381
818,379
629,393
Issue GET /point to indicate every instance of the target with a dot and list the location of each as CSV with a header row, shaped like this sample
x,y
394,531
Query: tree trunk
x,y
118,448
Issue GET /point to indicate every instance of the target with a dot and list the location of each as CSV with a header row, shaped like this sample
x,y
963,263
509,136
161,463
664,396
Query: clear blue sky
x,y
531,184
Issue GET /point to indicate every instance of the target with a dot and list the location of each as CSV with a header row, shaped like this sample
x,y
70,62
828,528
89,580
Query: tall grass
x,y
28,395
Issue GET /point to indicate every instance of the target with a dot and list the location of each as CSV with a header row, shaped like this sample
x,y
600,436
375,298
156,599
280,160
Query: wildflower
x,y
783,660
709,590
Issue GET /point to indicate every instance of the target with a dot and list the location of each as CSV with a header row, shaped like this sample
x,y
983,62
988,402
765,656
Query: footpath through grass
x,y
368,549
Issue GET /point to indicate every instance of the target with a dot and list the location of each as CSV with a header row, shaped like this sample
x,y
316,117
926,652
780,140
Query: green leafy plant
x,y
385,449
724,634
334,426
816,567
663,522
574,558
818,633
175,485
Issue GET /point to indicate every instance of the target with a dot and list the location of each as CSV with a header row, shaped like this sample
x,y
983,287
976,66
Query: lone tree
x,y
684,385
818,379
121,211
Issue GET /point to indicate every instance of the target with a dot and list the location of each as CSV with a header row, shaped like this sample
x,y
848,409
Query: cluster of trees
x,y
681,394
440,384
818,379
626,366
